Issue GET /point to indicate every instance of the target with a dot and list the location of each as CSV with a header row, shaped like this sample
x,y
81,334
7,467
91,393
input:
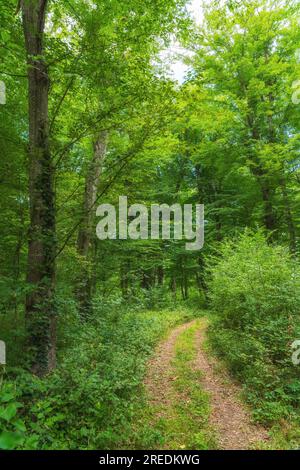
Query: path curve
x,y
229,416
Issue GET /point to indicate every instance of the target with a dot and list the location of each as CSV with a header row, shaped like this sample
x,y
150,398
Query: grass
x,y
284,435
184,422
191,402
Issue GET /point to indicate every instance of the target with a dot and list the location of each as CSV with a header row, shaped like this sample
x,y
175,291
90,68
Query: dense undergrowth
x,y
95,398
90,400
255,299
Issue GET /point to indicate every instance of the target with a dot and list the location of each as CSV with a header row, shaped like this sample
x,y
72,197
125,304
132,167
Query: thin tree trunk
x,y
182,280
85,235
186,287
174,287
160,275
17,256
269,217
40,315
19,245
146,279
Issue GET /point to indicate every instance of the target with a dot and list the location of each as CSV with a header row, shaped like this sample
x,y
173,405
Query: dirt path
x,y
160,375
229,416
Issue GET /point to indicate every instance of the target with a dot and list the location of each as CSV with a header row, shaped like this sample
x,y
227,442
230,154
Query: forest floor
x,y
193,401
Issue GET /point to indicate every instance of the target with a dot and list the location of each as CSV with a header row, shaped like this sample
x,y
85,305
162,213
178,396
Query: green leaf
x,y
9,412
10,440
4,35
7,396
19,425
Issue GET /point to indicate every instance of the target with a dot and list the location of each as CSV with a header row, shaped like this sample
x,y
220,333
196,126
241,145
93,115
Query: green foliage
x,y
227,137
12,427
90,400
255,298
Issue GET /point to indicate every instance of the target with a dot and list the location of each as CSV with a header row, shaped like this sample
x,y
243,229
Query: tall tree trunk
x,y
85,235
40,314
146,279
186,286
20,241
269,217
17,255
124,278
182,280
173,286
160,275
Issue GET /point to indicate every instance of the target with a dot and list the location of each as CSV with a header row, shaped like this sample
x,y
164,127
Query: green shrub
x,y
255,297
13,431
90,400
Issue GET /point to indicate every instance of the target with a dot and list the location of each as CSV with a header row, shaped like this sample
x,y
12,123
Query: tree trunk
x,y
40,315
160,275
269,217
85,235
186,287
174,287
146,279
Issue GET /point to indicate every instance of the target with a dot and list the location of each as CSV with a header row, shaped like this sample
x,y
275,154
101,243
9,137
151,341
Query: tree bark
x,y
86,231
40,313
160,275
173,287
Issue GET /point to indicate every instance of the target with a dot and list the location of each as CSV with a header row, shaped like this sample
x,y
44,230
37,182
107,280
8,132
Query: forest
x,y
138,342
